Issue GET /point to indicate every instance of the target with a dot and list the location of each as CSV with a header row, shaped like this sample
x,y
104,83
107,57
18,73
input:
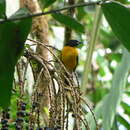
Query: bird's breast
x,y
69,56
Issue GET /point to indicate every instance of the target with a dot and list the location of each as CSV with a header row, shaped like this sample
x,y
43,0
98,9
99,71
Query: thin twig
x,y
54,48
86,125
67,114
90,50
50,12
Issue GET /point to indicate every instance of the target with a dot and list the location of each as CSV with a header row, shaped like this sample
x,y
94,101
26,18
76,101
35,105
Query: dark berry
x,y
47,128
23,103
27,127
21,114
58,128
8,109
26,120
4,128
7,115
18,127
5,125
4,121
23,107
19,120
39,129
27,114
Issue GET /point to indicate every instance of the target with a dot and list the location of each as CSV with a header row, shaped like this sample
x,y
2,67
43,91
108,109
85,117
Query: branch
x,y
94,34
51,11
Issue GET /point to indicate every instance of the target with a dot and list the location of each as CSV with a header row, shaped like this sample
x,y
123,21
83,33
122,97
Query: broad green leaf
x,y
24,27
106,108
118,16
47,3
12,38
116,91
123,122
69,22
126,108
2,8
97,112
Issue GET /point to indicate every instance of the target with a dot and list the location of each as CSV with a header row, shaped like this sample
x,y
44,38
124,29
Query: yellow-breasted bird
x,y
69,55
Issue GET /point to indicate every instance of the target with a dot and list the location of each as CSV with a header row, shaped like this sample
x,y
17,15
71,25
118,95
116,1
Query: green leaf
x,y
114,97
47,3
23,28
118,16
97,112
69,22
128,93
106,108
2,9
114,56
12,38
126,108
123,122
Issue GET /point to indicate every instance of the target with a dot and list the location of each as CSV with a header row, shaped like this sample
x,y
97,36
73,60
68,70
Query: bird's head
x,y
73,43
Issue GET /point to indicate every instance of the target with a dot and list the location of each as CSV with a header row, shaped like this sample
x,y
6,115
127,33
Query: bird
x,y
69,55
69,58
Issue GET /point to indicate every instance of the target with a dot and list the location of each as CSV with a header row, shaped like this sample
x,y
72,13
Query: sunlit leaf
x,y
118,16
123,121
116,91
106,108
126,108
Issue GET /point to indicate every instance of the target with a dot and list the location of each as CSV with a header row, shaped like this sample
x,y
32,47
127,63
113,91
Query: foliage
x,y
69,22
118,21
10,51
108,81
